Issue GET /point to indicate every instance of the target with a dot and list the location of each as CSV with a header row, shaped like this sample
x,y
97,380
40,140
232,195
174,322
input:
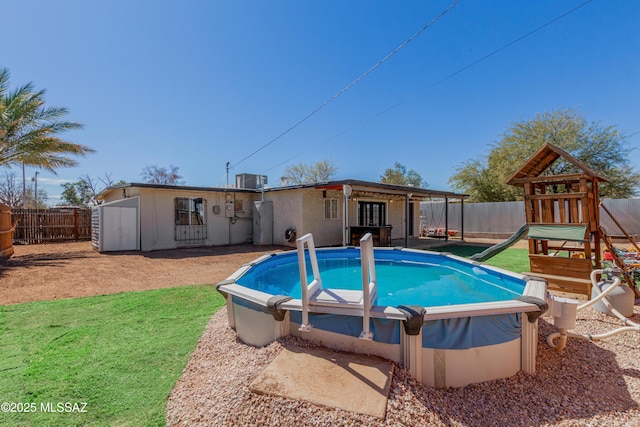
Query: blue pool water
x,y
408,278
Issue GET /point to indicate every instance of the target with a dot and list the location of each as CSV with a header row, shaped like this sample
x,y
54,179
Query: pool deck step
x,y
338,297
348,381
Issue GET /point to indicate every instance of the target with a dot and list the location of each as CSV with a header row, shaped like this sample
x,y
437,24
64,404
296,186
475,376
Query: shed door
x,y
119,231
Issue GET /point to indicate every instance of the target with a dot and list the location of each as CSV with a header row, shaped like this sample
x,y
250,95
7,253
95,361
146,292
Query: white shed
x,y
115,226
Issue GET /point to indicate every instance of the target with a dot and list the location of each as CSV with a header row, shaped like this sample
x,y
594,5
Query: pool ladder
x,y
314,295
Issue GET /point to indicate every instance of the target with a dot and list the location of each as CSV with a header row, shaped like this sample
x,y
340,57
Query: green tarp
x,y
575,233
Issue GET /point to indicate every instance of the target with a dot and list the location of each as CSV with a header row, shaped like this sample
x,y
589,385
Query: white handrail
x,y
311,292
369,283
308,290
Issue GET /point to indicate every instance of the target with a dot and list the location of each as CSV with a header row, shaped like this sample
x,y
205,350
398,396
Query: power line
x,y
465,68
282,163
353,83
511,43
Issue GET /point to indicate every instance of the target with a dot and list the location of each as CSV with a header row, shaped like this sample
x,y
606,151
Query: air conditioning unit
x,y
250,181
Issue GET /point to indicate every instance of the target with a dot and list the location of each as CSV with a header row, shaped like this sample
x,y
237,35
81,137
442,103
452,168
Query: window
x,y
189,211
239,205
190,220
331,209
372,214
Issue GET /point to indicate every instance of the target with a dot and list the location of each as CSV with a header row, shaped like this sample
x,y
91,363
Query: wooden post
x,y
76,228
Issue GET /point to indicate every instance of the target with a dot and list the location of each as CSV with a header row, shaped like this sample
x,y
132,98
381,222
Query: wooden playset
x,y
563,216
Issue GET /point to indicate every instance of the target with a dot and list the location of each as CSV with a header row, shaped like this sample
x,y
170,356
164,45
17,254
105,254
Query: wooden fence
x,y
51,225
6,227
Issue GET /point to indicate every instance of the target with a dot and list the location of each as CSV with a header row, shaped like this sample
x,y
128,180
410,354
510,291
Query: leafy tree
x,y
481,183
399,175
84,192
29,129
303,173
72,195
602,148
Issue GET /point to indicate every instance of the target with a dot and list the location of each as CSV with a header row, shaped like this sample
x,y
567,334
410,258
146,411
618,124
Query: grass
x,y
120,354
512,259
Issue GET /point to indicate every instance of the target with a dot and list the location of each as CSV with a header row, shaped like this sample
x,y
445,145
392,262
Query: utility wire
x,y
282,163
465,68
353,83
511,43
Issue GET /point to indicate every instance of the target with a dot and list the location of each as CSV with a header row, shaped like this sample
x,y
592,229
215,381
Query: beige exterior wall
x,y
326,232
157,217
396,218
301,209
287,213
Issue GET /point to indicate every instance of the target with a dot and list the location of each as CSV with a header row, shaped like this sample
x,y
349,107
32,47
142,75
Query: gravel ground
x,y
588,384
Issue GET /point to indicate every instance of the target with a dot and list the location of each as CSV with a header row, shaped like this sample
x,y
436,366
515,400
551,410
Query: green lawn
x,y
120,354
115,357
512,259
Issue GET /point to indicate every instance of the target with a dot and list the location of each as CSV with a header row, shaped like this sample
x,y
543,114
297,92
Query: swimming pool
x,y
450,321
425,279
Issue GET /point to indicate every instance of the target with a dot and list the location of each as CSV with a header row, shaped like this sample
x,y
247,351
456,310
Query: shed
x,y
115,226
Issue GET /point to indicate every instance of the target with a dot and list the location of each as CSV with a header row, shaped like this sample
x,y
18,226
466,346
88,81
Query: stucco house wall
x,y
228,212
326,232
287,213
157,216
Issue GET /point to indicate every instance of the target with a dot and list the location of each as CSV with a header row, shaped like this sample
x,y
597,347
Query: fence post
x,y
76,228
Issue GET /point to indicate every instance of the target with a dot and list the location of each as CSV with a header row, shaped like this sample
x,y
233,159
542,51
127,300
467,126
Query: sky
x,y
199,83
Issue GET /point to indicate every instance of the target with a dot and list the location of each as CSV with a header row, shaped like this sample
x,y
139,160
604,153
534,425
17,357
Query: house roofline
x,y
359,184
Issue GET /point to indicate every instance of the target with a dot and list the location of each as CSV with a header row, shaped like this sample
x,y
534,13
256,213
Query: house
x,y
336,212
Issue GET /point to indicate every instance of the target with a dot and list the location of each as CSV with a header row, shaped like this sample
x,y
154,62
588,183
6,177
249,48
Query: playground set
x,y
564,232
563,218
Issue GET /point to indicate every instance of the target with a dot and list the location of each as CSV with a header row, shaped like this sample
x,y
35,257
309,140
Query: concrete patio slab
x,y
352,382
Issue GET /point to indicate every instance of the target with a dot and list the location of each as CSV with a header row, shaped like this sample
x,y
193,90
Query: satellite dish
x,y
347,190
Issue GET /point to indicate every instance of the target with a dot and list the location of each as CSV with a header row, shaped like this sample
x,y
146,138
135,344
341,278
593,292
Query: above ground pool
x,y
449,320
418,278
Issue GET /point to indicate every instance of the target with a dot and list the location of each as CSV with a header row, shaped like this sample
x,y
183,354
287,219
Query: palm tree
x,y
28,130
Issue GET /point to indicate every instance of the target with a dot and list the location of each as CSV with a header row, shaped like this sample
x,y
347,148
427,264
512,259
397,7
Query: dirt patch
x,y
71,270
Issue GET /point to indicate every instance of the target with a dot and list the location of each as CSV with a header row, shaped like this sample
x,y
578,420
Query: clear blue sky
x,y
198,83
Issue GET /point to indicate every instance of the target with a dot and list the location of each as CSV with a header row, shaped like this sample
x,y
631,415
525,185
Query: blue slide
x,y
499,247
